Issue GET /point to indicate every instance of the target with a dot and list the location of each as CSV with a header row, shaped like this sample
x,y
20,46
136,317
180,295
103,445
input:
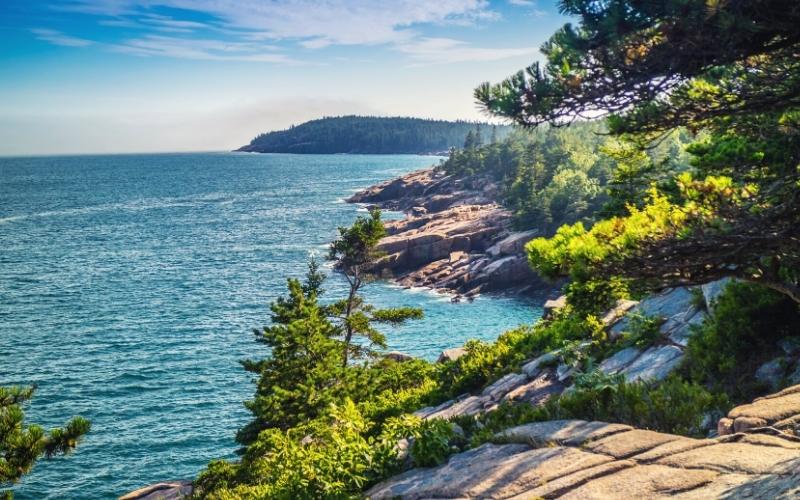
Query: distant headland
x,y
372,135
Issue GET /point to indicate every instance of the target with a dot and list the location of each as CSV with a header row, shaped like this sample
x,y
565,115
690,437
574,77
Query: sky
x,y
114,76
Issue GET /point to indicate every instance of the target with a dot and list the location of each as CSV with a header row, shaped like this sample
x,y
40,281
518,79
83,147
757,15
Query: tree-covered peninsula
x,y
372,135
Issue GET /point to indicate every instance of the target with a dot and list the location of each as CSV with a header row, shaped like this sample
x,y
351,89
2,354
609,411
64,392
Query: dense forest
x,y
370,135
553,176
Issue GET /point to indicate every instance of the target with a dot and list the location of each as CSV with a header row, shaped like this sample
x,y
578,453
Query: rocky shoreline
x,y
455,238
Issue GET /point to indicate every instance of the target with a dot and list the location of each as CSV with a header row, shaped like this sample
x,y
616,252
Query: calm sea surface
x,y
129,287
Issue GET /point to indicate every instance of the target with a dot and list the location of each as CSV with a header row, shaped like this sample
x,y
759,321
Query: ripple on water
x,y
130,286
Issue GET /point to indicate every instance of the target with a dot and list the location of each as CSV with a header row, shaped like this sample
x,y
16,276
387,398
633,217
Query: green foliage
x,y
368,135
575,251
21,444
741,334
674,406
595,296
547,178
657,65
353,253
642,331
302,376
330,457
432,440
638,64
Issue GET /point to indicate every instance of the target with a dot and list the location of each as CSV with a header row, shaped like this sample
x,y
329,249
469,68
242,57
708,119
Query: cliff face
x,y
455,237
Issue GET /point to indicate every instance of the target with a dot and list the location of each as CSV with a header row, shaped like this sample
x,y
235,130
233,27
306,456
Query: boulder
x,y
398,356
577,459
622,306
513,244
771,373
169,490
551,306
711,291
620,360
537,391
451,354
533,368
503,385
654,364
675,306
780,410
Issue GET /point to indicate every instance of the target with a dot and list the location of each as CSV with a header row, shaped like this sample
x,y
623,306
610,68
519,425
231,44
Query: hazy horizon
x,y
156,76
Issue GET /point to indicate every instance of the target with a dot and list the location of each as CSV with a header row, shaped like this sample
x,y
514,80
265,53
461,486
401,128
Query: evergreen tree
x,y
353,253
301,377
727,68
21,444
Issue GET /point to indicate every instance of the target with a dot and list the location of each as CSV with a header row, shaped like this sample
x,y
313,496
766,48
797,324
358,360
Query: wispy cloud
x,y
531,4
243,29
447,50
314,23
209,50
58,38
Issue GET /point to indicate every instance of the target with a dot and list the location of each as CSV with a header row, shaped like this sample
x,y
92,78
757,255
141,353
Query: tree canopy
x,y
369,135
21,444
730,68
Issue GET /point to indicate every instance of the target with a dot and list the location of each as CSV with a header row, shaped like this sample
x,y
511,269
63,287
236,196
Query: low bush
x,y
741,334
674,406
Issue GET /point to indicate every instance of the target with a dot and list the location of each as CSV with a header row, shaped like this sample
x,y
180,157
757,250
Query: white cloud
x,y
238,29
447,50
210,50
522,3
317,23
59,38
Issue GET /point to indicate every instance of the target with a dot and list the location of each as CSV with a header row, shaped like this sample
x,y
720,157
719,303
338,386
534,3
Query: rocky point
x,y
456,236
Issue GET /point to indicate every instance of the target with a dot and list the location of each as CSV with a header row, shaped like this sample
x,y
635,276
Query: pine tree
x,y
301,377
21,445
353,253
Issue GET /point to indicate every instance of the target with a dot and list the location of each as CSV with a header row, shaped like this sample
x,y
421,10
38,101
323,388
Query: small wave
x,y
135,206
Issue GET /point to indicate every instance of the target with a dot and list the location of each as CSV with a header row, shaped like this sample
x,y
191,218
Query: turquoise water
x,y
129,287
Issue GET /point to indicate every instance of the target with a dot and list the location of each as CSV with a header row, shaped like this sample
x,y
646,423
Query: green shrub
x,y
641,331
433,440
327,458
674,406
595,296
725,351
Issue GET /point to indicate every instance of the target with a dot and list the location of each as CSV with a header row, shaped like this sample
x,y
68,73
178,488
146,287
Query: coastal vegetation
x,y
22,444
628,208
371,135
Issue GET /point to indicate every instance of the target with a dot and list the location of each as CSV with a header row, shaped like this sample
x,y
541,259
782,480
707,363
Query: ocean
x,y
130,286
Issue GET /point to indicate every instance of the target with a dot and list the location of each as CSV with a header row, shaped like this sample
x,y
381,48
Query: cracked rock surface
x,y
587,460
456,236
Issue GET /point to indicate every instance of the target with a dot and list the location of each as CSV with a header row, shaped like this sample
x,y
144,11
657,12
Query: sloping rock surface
x,y
780,411
597,460
170,490
455,237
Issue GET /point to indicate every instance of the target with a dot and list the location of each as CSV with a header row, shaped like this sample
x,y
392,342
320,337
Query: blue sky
x,y
101,76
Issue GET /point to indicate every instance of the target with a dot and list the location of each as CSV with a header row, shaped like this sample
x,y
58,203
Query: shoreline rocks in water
x,y
455,237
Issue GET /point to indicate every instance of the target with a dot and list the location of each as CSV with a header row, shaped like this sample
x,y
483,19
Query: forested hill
x,y
372,135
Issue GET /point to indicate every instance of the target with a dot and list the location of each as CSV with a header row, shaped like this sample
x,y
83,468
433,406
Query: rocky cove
x,y
456,237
